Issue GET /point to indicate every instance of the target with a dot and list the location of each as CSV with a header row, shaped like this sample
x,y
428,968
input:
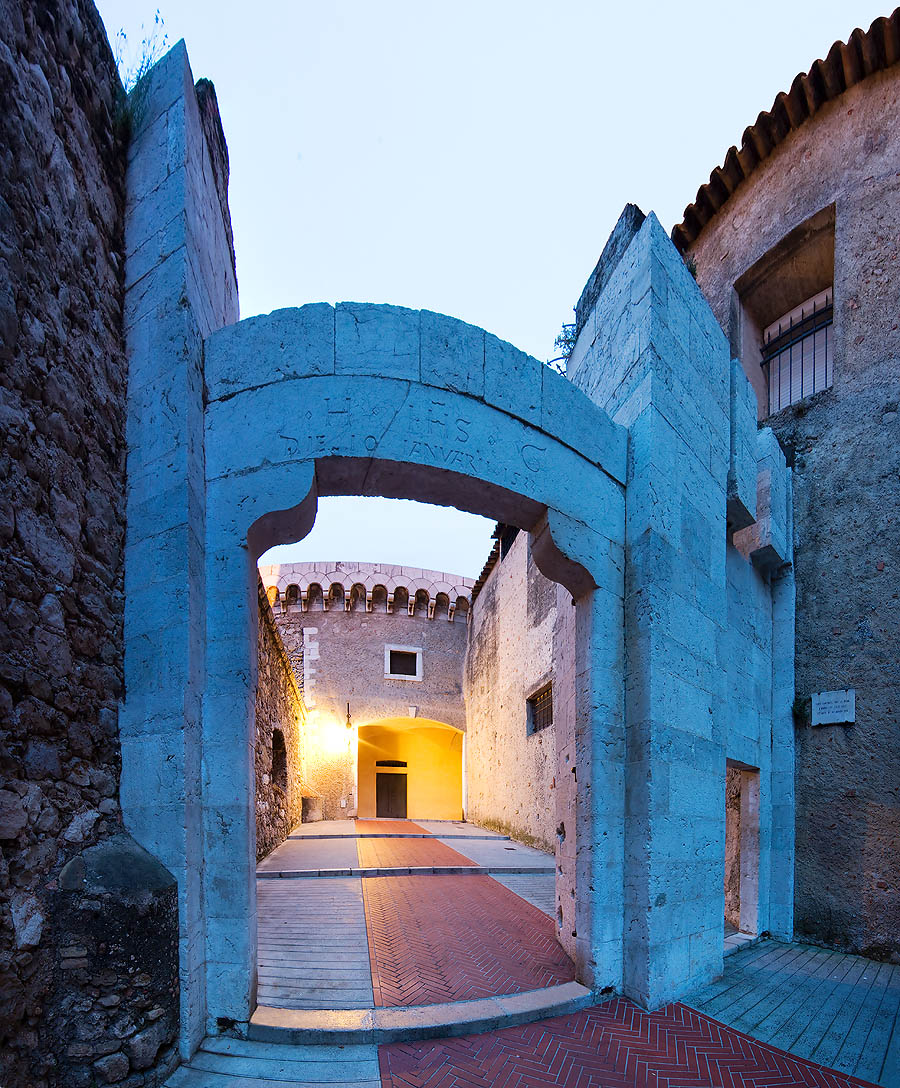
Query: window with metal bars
x,y
540,709
797,353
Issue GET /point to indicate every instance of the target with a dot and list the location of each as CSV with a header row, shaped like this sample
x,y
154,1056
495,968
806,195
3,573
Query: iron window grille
x,y
797,353
540,709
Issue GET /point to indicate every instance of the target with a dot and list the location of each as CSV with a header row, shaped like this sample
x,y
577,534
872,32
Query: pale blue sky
x,y
470,158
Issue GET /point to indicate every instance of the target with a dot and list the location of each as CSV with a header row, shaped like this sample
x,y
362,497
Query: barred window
x,y
796,352
540,709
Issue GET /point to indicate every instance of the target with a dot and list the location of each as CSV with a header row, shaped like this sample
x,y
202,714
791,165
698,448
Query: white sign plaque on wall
x,y
834,707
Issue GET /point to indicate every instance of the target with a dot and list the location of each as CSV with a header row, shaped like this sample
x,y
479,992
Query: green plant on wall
x,y
564,343
132,99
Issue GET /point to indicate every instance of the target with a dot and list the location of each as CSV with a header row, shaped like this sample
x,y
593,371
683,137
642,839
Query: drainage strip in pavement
x,y
409,870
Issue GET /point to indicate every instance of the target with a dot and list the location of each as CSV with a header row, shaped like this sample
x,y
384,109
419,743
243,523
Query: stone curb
x,y
385,1025
420,870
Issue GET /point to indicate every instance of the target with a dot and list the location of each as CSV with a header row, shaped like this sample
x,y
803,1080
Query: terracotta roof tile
x,y
846,64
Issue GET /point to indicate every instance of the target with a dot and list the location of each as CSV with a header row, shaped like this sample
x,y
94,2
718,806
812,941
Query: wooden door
x,y
390,796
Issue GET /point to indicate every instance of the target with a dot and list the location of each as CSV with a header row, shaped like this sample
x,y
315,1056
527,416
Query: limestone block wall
x,y
650,353
511,773
280,738
844,446
64,1014
335,623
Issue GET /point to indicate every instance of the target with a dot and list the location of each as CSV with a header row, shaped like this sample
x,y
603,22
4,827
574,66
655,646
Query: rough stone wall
x,y
341,655
61,528
511,774
733,847
278,707
845,446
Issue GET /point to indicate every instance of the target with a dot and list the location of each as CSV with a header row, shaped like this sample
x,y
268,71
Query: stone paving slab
x,y
611,1044
821,1005
493,851
324,829
310,853
539,889
451,829
435,939
313,945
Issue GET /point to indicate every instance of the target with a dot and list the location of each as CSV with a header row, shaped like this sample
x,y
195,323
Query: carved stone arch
x,y
508,431
420,602
291,597
441,606
401,598
336,595
461,608
315,599
357,598
379,598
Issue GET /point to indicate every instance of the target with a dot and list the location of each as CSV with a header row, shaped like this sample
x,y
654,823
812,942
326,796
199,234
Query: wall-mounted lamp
x,y
349,719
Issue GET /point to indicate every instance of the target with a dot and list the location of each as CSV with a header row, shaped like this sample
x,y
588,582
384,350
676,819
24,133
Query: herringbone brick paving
x,y
403,853
615,1045
389,827
434,939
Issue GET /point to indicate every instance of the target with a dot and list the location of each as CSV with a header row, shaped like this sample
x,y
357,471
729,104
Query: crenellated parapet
x,y
366,587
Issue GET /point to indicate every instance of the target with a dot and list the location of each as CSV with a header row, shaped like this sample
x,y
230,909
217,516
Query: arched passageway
x,y
373,400
410,768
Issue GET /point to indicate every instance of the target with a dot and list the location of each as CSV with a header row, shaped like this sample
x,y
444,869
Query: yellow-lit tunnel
x,y
410,767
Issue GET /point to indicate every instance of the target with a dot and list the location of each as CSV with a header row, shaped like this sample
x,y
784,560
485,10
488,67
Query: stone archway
x,y
378,400
234,430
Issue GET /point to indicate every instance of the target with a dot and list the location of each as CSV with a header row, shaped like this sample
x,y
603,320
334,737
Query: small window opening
x,y
403,663
390,763
279,760
796,352
506,534
540,709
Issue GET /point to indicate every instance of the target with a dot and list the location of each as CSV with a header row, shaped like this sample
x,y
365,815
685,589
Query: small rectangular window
x,y
402,663
540,709
796,352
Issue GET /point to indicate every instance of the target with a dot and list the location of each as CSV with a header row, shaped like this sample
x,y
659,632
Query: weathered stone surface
x,y
62,483
842,167
280,737
112,1069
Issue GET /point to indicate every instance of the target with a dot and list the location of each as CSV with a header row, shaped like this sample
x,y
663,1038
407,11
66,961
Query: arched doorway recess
x,y
380,400
410,768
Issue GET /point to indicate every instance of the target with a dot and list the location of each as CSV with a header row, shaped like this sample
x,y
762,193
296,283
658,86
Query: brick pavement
x,y
389,827
401,853
434,939
615,1045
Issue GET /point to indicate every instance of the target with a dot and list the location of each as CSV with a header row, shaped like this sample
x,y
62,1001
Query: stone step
x,y
286,1069
250,1048
419,870
387,1025
188,1077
